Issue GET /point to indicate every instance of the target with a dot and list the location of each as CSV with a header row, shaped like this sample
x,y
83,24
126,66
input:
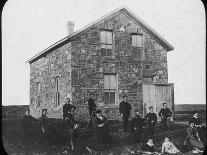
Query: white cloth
x,y
169,147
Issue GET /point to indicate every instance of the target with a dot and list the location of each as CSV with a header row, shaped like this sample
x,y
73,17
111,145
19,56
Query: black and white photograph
x,y
103,77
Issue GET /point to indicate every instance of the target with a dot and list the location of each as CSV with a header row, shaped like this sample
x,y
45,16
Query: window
x,y
137,46
38,101
57,94
137,40
106,43
110,85
137,53
38,87
148,79
38,94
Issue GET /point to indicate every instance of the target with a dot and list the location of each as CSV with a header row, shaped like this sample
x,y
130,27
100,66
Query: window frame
x,y
115,91
142,57
105,46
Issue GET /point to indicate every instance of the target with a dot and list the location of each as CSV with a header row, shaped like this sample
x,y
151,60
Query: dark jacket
x,y
197,121
44,122
91,104
138,123
67,109
192,133
125,108
151,117
27,122
148,148
165,112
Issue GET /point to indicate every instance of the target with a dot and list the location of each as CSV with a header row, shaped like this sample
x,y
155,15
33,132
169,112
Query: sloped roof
x,y
124,9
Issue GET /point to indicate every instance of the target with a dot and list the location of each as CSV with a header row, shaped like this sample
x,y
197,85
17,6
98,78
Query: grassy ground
x,y
12,139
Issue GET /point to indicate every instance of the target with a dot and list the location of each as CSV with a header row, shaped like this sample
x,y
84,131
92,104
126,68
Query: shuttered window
x,y
110,85
106,43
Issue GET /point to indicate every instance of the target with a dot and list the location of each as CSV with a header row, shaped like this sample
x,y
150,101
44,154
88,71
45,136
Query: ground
x,y
12,139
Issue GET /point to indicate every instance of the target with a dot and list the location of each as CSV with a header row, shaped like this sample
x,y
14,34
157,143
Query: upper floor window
x,y
137,40
106,42
137,46
110,87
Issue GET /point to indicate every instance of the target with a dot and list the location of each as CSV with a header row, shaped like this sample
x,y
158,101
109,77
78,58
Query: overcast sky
x,y
30,26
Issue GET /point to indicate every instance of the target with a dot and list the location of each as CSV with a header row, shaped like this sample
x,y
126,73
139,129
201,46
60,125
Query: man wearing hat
x,y
124,109
137,123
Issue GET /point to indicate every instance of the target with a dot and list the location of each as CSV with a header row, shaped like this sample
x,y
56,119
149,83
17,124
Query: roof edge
x,y
127,10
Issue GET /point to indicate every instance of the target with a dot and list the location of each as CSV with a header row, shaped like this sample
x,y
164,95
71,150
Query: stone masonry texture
x,y
80,68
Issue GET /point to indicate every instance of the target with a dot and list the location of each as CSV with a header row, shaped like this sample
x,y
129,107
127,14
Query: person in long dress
x,y
169,147
102,127
193,137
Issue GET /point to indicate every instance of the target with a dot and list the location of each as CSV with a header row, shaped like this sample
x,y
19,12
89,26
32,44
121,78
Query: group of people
x,y
99,121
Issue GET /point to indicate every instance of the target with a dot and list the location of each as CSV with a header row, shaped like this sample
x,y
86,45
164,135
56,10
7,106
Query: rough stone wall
x,y
44,71
87,66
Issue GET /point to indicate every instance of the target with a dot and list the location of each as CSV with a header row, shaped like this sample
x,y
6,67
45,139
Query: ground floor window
x,y
110,87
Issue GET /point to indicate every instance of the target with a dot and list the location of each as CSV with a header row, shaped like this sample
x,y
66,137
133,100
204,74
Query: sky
x,y
30,26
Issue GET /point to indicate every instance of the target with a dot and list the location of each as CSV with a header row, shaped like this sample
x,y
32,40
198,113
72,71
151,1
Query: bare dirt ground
x,y
12,139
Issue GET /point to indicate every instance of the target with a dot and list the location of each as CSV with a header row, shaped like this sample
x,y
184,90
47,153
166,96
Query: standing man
x,y
27,125
91,107
68,110
165,115
137,124
151,120
124,109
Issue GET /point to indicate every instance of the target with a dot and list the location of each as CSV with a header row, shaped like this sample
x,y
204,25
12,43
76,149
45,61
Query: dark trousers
x,y
92,114
151,130
26,137
164,122
125,118
137,135
103,134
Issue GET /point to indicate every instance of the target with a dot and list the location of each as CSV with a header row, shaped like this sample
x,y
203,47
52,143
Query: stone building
x,y
115,55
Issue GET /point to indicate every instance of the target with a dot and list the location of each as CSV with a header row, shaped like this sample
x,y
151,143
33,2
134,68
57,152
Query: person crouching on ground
x,y
169,147
137,124
193,137
102,127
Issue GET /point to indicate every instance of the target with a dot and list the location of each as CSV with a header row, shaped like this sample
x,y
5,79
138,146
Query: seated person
x,y
102,127
198,124
137,124
169,147
149,146
193,137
